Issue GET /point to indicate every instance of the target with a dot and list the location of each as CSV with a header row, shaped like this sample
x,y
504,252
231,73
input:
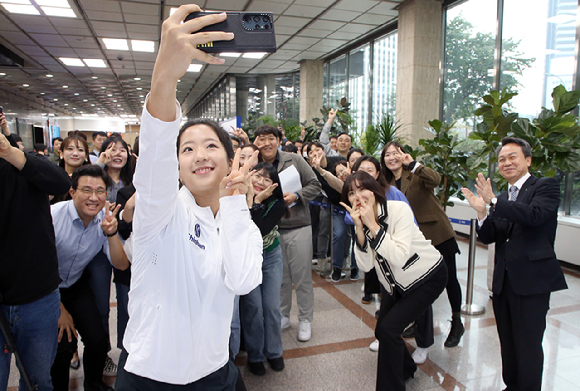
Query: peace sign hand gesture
x,y
107,155
405,158
109,224
238,182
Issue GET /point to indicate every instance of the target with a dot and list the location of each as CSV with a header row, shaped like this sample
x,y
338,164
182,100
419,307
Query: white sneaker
x,y
285,323
420,355
315,261
374,347
304,331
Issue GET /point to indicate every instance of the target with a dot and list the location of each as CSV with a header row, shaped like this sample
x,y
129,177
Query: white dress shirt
x,y
187,267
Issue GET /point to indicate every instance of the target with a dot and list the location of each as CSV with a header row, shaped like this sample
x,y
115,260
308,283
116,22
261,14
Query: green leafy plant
x,y
554,135
376,136
441,153
342,123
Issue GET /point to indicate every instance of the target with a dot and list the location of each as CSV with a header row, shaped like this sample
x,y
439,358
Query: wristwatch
x,y
493,202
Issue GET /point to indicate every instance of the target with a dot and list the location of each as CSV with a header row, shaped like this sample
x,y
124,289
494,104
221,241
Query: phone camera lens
x,y
256,19
265,18
267,26
257,27
247,18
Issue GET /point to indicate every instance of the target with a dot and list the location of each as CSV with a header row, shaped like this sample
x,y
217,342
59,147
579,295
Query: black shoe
x,y
97,387
409,331
336,275
277,364
354,274
455,333
257,368
366,299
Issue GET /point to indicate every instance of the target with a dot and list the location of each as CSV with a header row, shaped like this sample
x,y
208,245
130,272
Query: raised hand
x,y
106,156
368,215
178,47
238,181
355,215
477,203
484,189
4,125
405,158
5,147
331,115
241,134
264,194
109,223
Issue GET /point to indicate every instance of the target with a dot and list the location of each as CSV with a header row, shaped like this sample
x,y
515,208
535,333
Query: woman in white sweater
x,y
195,248
408,266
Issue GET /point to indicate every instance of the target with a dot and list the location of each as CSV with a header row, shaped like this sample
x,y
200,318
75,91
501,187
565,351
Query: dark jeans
x,y
122,312
224,379
79,301
34,328
395,364
100,272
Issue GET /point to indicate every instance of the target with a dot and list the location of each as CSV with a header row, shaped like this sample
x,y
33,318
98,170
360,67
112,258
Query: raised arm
x,y
156,177
324,135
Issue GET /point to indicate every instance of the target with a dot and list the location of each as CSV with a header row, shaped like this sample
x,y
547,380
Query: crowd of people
x,y
206,233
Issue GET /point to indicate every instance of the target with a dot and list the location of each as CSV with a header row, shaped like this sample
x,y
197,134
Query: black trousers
x,y
395,364
79,301
372,283
521,322
224,379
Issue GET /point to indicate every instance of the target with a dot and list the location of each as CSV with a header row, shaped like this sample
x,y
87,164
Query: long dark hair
x,y
364,180
381,179
127,171
272,173
388,174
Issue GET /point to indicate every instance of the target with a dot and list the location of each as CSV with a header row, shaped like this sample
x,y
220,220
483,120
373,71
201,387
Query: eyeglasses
x,y
87,192
266,181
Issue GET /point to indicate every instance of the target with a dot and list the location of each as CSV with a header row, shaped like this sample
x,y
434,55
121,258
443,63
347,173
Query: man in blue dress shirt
x,y
83,226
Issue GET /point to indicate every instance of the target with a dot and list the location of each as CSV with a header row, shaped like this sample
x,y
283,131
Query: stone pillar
x,y
311,89
242,103
419,55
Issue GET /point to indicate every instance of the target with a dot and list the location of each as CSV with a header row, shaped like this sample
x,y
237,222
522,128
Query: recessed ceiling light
x,y
64,86
141,96
103,88
55,99
63,12
254,55
94,77
2,74
143,46
114,101
21,9
25,85
142,101
194,68
95,62
118,105
27,2
93,105
52,3
230,54
72,62
49,75
74,108
109,94
137,78
85,100
139,88
76,93
42,93
66,104
115,44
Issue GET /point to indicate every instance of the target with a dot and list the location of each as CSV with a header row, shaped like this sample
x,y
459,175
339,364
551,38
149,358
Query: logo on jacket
x,y
197,230
193,239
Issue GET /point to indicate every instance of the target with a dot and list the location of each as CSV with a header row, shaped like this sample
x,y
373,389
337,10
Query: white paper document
x,y
290,181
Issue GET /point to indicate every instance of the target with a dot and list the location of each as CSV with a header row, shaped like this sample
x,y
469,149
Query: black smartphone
x,y
1,110
253,32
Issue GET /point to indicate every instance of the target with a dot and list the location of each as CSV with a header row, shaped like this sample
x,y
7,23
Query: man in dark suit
x,y
522,222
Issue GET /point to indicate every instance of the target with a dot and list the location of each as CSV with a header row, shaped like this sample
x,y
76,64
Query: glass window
x,y
358,87
537,51
575,206
469,60
337,80
384,76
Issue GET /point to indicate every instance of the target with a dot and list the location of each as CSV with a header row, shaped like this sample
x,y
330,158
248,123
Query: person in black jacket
x,y
522,223
29,296
260,309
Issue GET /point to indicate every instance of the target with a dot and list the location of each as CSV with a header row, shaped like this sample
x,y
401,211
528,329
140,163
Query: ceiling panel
x,y
358,5
290,21
311,32
101,5
143,19
140,9
372,19
267,6
340,15
303,10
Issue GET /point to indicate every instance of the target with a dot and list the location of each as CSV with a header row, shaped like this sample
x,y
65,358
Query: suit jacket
x,y
299,213
419,190
524,232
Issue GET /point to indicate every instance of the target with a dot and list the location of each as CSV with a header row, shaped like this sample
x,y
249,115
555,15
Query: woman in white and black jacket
x,y
408,266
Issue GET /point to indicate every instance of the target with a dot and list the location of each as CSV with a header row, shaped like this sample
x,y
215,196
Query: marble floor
x,y
338,358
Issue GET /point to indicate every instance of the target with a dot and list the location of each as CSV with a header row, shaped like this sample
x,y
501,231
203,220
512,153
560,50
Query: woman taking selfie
x,y
260,309
410,269
194,248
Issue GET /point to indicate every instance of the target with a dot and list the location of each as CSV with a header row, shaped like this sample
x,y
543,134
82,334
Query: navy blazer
x,y
524,232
